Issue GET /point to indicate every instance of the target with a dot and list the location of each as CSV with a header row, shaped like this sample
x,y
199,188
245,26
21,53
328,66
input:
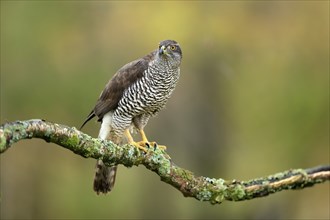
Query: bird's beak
x,y
162,50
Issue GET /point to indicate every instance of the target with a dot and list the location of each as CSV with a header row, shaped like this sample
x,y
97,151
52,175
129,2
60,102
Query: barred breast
x,y
145,98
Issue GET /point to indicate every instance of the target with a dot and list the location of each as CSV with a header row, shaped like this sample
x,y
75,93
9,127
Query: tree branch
x,y
158,161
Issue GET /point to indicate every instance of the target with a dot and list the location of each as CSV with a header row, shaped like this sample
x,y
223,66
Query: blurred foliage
x,y
253,99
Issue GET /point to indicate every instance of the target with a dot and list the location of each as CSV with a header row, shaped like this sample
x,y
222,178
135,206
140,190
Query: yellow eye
x,y
172,47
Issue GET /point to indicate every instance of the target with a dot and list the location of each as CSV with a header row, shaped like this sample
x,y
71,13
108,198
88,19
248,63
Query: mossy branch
x,y
158,161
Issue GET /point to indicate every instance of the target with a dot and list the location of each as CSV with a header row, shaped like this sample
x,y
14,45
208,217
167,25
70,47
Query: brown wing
x,y
115,88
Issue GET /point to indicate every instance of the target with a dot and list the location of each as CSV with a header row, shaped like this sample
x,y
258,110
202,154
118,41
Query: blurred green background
x,y
253,100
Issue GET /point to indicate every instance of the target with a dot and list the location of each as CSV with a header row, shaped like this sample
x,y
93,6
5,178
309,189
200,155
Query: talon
x,y
132,142
161,147
144,144
137,145
147,144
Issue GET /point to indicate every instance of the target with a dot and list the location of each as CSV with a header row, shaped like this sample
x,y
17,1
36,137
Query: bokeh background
x,y
253,100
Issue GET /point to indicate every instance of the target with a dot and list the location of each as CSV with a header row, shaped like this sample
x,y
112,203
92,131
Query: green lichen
x,y
157,160
235,192
131,152
214,181
204,195
217,197
184,174
163,164
48,132
73,141
3,141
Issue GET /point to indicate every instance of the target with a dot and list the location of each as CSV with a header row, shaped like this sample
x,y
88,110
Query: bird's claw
x,y
147,145
161,147
139,146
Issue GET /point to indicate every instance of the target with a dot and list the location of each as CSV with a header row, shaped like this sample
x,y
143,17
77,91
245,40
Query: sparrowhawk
x,y
139,90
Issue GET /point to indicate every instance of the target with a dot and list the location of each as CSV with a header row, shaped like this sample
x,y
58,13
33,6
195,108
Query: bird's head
x,y
170,51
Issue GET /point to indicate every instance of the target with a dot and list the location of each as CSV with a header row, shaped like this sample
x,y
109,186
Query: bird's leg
x,y
132,142
143,136
145,141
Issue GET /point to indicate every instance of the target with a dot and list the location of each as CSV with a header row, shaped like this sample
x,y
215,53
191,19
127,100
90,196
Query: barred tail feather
x,y
105,178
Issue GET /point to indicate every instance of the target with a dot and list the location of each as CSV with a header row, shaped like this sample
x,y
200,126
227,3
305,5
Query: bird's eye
x,y
172,47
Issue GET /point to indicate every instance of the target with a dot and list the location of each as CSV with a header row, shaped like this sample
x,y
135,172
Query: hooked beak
x,y
162,50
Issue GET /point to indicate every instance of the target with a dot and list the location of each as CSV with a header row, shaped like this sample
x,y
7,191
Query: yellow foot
x,y
132,142
139,146
144,144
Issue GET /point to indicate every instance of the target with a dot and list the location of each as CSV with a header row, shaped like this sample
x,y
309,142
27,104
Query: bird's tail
x,y
105,178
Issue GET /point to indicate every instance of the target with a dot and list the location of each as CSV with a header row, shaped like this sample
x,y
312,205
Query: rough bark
x,y
157,160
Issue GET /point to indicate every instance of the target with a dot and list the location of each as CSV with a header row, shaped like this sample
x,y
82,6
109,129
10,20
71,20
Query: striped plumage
x,y
137,91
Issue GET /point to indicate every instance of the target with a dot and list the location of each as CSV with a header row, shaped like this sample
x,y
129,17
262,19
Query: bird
x,y
135,93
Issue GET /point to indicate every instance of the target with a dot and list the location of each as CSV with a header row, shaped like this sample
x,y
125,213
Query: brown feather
x,y
115,88
89,117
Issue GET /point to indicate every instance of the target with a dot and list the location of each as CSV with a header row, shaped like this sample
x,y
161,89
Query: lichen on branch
x,y
157,160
